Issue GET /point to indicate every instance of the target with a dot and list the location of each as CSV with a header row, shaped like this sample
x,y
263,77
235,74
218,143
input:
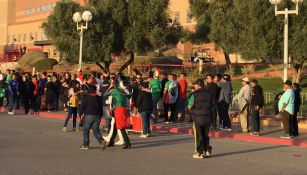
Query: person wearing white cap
x,y
244,100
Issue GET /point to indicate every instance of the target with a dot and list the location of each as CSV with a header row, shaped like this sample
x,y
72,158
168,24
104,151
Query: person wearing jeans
x,y
156,88
145,107
224,101
13,94
256,104
72,106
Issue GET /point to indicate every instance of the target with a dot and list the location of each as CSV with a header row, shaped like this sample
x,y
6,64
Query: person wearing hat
x,y
224,101
156,87
200,104
286,108
256,104
244,100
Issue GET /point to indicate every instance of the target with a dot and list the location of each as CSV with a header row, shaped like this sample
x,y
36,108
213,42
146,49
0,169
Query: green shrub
x,y
166,60
45,64
30,58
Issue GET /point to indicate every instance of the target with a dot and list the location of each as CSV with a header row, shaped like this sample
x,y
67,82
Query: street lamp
x,y
86,16
286,12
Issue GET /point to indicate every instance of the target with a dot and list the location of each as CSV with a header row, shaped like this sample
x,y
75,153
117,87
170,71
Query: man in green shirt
x,y
155,86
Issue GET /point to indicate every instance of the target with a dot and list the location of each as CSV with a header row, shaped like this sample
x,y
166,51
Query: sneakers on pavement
x,y
64,129
286,136
143,135
84,147
11,113
198,156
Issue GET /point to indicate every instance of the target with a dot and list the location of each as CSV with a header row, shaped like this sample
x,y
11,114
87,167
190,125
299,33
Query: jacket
x,y
144,101
202,108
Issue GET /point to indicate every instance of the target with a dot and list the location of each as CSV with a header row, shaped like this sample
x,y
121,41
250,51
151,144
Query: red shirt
x,y
182,85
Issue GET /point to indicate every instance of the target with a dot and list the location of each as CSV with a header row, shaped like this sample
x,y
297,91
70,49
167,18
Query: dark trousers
x,y
14,102
91,122
255,119
172,108
202,138
286,118
294,125
214,117
223,114
72,111
56,101
1,101
124,133
28,102
145,121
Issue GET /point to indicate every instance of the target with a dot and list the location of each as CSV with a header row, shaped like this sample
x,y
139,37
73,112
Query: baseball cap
x,y
199,82
288,82
246,79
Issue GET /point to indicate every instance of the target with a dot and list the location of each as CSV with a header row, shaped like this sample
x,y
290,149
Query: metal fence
x,y
268,108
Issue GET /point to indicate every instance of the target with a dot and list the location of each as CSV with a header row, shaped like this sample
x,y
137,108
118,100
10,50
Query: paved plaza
x,y
32,145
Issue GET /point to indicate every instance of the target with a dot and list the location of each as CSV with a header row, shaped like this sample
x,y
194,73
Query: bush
x,y
249,69
230,71
166,60
27,60
45,64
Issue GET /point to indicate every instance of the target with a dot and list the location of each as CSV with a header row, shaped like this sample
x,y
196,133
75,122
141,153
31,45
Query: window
x,y
19,38
52,5
189,17
41,8
46,7
29,11
24,39
8,39
35,9
43,36
13,39
35,36
30,37
177,16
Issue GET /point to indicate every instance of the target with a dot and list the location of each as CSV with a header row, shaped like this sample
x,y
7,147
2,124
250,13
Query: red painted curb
x,y
178,130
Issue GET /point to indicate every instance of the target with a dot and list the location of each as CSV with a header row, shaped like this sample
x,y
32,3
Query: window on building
x,y
41,8
24,39
30,37
189,16
35,9
177,16
52,5
43,36
8,39
35,36
47,7
19,38
13,39
29,11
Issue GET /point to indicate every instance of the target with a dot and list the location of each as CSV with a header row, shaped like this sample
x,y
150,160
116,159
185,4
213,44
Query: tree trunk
x,y
298,71
104,67
130,61
227,58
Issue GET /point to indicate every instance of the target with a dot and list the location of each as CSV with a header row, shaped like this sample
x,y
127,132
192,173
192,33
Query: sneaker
x,y
143,136
226,129
254,134
119,143
11,113
64,129
84,147
207,154
107,139
286,136
198,156
104,145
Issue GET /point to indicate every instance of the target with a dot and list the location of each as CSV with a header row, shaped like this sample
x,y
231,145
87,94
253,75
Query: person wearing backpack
x,y
170,95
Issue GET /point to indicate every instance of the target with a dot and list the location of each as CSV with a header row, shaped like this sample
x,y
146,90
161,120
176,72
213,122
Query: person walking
x,y
200,104
182,97
256,105
297,104
286,108
224,102
170,95
244,100
73,94
156,87
13,94
91,110
145,107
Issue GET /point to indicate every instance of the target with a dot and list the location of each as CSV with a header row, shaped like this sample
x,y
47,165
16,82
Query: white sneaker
x,y
11,113
107,139
208,154
197,156
143,136
64,129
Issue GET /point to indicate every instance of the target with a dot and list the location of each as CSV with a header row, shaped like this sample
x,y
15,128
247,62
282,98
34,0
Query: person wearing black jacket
x,y
28,94
256,104
297,104
214,91
91,109
200,105
145,107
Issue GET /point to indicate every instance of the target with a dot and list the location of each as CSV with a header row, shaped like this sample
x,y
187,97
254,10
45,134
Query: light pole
x,y
286,12
86,16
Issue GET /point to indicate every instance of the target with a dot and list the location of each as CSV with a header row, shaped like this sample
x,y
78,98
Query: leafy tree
x,y
118,26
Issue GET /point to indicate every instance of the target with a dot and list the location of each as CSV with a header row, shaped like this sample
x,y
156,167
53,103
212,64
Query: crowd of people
x,y
155,96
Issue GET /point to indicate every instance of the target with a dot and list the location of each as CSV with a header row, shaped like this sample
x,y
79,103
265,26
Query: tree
x,y
118,26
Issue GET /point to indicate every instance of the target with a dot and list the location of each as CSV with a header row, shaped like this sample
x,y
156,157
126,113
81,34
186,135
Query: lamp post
x,y
86,16
286,12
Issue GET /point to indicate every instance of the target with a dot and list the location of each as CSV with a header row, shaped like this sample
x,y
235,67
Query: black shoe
x,y
110,145
103,145
127,147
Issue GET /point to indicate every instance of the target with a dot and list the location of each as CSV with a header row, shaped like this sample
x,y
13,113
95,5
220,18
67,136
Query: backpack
x,y
173,92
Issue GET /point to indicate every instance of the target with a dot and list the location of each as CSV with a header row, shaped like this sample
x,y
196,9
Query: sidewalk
x,y
270,131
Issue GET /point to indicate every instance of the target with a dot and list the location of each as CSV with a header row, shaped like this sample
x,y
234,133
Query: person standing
x,y
156,87
3,90
72,105
57,89
286,108
200,104
182,97
256,105
35,99
91,110
145,106
49,94
213,89
13,94
224,102
297,104
244,99
28,94
170,95
42,83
